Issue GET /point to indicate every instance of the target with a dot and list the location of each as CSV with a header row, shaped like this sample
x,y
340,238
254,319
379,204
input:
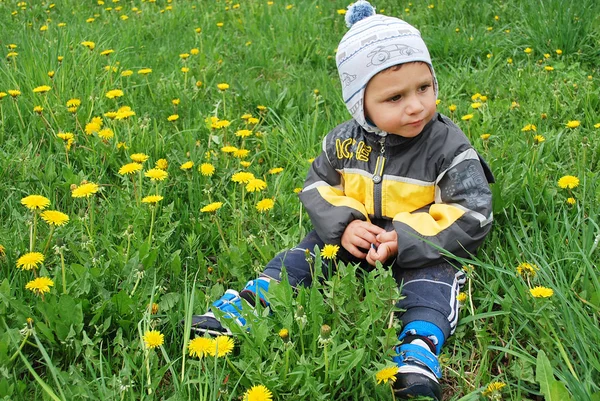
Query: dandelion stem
x,y
49,239
151,225
12,358
62,267
326,362
33,232
19,113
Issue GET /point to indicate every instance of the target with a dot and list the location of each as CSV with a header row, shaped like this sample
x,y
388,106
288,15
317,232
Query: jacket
x,y
432,189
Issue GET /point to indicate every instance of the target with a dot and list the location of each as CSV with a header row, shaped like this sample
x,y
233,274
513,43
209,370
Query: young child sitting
x,y
395,184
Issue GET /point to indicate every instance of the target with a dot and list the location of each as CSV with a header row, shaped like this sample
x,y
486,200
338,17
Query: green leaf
x,y
552,389
558,391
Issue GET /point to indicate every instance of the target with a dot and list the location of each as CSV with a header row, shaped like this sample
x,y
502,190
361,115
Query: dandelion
x,y
528,50
173,117
573,124
93,126
256,185
526,269
330,251
461,297
154,308
84,190
245,163
258,393
493,390
185,70
241,153
130,168
187,165
571,201
243,133
253,120
14,93
229,149
107,52
276,170
223,346
139,157
200,347
88,44
467,117
111,94
284,334
162,164
73,102
2,250
35,202
206,169
537,139
30,260
145,71
223,86
40,285
156,174
42,89
243,177
261,108
54,217
548,68
246,116
529,127
476,105
341,11
297,190
386,374
265,205
541,292
568,181
38,109
153,339
127,73
452,108
559,52
211,207
485,137
106,134
152,199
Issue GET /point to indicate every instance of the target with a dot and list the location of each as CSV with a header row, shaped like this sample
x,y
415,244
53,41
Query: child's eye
x,y
424,87
395,98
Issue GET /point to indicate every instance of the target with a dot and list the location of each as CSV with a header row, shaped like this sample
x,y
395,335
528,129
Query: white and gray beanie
x,y
373,43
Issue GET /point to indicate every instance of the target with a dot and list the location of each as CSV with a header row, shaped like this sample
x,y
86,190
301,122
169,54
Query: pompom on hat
x,y
374,43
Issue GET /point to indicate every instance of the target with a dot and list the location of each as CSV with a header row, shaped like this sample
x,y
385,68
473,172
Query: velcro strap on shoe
x,y
231,306
259,287
424,329
410,354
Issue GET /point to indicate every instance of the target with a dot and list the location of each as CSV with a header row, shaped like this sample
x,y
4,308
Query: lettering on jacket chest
x,y
349,148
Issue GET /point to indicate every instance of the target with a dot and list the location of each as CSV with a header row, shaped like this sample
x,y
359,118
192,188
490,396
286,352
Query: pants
x,y
430,293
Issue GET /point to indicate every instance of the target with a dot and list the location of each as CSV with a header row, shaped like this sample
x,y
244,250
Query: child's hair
x,y
374,43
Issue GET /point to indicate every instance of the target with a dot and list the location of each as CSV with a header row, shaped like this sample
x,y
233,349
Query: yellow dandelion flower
x,y
38,109
265,205
297,190
341,11
187,165
73,102
152,199
529,127
559,52
330,251
145,71
106,52
528,50
256,185
85,190
253,120
568,181
153,339
246,116
223,86
176,101
597,125
211,207
241,153
65,136
42,89
162,164
243,133
88,44
537,139
35,202
206,169
124,113
461,297
195,51
220,25
261,108
571,201
284,334
93,126
127,73
2,250
386,374
14,93
200,347
548,68
485,137
573,124
541,292
185,70
467,117
258,393
111,94
130,168
173,117
452,108
40,285
223,346
106,134
30,260
476,105
3,95
139,157
245,163
222,124
243,177
229,149
276,170
526,269
54,217
493,388
156,174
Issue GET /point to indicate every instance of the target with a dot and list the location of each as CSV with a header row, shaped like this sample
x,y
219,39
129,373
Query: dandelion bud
x,y
30,322
83,182
284,334
210,270
325,331
130,228
585,140
60,242
73,187
300,311
154,308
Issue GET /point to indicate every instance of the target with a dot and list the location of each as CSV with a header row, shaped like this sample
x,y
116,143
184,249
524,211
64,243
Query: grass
x,y
87,341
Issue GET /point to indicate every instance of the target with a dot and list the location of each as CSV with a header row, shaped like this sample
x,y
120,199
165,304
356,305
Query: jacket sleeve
x,y
457,221
323,196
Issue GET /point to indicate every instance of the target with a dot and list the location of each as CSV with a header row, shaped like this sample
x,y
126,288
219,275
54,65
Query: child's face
x,y
401,101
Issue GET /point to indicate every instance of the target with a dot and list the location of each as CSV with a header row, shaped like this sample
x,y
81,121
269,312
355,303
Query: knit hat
x,y
373,43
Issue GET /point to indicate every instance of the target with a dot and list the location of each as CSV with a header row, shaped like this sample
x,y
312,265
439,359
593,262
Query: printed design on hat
x,y
382,54
347,79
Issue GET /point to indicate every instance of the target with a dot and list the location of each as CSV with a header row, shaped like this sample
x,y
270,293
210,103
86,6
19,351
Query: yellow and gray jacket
x,y
432,189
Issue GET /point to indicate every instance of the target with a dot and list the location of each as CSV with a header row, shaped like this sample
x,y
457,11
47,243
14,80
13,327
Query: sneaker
x,y
418,370
230,306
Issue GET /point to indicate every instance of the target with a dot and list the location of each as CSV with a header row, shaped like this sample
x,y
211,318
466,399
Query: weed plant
x,y
139,254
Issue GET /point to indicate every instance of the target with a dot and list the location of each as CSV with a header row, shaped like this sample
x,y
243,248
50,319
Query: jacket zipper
x,y
378,178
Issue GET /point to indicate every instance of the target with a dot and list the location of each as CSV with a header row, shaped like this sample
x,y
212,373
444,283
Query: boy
x,y
394,184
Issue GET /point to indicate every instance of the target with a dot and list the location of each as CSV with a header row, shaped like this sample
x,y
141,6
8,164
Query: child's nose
x,y
414,105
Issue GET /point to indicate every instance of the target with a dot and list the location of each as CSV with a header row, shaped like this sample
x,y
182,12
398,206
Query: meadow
x,y
151,152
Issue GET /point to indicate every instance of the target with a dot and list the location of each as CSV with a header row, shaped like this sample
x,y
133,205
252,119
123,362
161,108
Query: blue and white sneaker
x,y
230,308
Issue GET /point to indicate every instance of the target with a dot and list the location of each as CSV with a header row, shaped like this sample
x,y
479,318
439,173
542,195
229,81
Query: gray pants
x,y
430,293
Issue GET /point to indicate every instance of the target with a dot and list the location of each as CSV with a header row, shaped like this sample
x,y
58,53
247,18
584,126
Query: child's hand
x,y
388,247
360,234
